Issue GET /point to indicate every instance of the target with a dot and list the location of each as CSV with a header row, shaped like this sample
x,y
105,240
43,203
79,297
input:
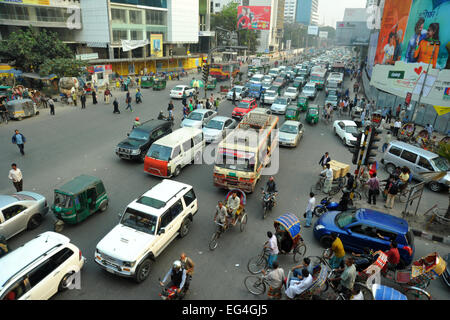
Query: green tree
x,y
295,32
30,48
62,67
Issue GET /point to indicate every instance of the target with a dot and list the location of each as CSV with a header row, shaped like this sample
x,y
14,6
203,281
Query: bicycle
x,y
256,285
335,187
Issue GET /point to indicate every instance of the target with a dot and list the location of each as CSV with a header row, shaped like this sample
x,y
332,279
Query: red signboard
x,y
254,17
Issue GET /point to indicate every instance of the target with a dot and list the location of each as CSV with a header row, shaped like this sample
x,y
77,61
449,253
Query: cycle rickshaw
x,y
290,242
241,218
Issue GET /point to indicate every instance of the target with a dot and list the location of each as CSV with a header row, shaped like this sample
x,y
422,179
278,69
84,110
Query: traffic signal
x,y
205,72
357,148
372,146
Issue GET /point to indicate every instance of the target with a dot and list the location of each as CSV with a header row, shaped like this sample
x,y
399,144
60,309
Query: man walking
x,y
387,140
83,100
309,209
116,106
397,127
273,246
234,97
324,160
374,189
74,98
20,140
328,180
16,176
128,101
51,104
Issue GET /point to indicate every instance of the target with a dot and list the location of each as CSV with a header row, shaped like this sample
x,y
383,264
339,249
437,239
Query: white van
x,y
168,155
148,225
257,78
40,268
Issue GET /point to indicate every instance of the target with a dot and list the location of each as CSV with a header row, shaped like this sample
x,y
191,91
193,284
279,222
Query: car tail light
x,y
68,212
80,256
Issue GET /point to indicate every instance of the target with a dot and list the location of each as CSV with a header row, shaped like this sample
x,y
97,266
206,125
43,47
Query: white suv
x,y
146,228
40,268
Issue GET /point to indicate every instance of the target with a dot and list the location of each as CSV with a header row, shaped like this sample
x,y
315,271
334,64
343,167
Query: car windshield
x,y
302,99
178,88
243,105
345,218
151,202
270,93
266,78
351,129
63,200
313,111
291,90
290,112
280,100
227,161
288,128
137,134
332,98
159,152
139,221
308,88
214,124
195,116
441,163
238,90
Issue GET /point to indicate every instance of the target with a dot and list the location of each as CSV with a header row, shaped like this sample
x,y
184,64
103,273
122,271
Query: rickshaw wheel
x,y
255,285
256,264
367,293
213,242
414,294
299,252
243,222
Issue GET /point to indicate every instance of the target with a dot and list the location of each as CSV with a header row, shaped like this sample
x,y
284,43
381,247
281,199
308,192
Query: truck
x,y
334,82
318,75
243,154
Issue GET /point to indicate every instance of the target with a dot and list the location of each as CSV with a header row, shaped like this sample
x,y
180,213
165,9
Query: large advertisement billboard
x,y
254,17
313,30
373,41
414,38
156,45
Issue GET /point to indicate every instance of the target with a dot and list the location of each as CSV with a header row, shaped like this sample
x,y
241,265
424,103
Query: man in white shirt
x,y
16,176
233,205
329,178
296,287
397,126
309,209
273,246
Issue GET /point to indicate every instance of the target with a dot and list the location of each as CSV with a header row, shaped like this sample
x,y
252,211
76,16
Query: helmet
x,y
177,265
137,119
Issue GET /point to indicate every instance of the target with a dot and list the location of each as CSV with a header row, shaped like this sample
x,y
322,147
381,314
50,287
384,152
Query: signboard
x,y
373,41
156,44
254,17
87,56
30,2
323,34
128,45
352,33
396,75
313,30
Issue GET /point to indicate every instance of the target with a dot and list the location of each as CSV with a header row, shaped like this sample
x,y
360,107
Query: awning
x,y
37,76
14,71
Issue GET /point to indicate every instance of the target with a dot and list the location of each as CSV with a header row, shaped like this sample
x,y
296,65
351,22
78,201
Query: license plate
x,y
109,270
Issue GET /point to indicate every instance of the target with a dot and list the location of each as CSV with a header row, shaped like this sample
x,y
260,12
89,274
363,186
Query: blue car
x,y
358,229
255,91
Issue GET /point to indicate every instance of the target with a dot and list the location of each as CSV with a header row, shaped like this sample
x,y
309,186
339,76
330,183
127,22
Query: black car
x,y
446,275
140,139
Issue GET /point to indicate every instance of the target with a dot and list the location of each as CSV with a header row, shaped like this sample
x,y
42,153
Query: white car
x,y
347,131
270,96
148,225
241,92
290,133
177,92
309,90
197,118
291,93
280,104
217,127
257,78
267,79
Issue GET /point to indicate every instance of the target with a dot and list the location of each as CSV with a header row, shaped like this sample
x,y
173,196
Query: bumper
x,y
278,111
112,268
226,184
127,156
286,143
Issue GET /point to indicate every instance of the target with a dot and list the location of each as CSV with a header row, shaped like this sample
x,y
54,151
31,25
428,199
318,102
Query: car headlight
x,y
135,152
129,264
116,149
320,227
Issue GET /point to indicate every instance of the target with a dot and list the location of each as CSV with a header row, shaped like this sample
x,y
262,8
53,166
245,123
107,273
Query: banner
x,y
323,34
253,17
313,30
373,41
128,45
156,43
441,110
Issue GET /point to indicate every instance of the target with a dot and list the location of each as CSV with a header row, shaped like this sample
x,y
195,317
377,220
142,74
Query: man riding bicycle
x,y
221,214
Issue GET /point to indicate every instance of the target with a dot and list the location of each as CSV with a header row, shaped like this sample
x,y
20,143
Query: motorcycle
x,y
161,116
325,205
268,201
171,292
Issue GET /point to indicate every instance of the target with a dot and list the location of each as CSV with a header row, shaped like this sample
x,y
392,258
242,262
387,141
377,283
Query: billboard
x,y
254,17
313,30
156,45
352,33
373,41
30,2
323,34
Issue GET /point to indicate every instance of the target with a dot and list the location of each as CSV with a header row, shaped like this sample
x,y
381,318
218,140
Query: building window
x,y
118,16
136,35
135,17
154,17
51,14
119,35
217,5
13,12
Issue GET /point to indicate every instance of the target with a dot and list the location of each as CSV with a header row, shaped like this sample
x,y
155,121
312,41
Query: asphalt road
x,y
76,141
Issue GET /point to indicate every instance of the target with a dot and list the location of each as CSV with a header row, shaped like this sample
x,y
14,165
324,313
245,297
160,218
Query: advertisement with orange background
x,y
395,19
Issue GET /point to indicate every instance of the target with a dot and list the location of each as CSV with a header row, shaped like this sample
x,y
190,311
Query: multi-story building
x,y
307,12
290,9
217,5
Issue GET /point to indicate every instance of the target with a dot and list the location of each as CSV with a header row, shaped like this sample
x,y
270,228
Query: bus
x,y
318,77
225,70
243,153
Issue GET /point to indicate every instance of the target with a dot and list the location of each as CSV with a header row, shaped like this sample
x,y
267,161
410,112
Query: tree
x,y
62,67
295,32
30,48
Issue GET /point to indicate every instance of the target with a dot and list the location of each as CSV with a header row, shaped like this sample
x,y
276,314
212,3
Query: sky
x,y
333,10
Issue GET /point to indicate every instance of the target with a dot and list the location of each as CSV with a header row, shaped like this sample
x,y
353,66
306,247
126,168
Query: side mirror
x,y
128,134
161,231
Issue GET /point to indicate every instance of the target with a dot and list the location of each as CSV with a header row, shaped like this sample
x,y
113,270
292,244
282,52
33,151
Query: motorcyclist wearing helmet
x,y
177,276
136,123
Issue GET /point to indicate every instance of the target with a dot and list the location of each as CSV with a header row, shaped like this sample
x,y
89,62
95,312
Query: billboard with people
x,y
253,17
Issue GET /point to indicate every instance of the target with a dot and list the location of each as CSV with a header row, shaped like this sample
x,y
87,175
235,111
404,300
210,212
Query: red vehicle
x,y
245,106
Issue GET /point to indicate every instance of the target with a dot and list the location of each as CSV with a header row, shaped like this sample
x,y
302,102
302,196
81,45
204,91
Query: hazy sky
x,y
333,10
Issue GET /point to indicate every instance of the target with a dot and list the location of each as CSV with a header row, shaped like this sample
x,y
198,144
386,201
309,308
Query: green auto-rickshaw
x,y
146,82
302,103
159,84
292,113
78,199
212,82
312,115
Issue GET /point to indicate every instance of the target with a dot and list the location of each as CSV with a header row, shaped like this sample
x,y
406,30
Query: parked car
x,y
279,105
177,92
418,161
310,90
197,118
217,127
140,139
347,131
358,229
40,268
241,92
291,93
245,106
290,133
147,226
20,211
256,79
